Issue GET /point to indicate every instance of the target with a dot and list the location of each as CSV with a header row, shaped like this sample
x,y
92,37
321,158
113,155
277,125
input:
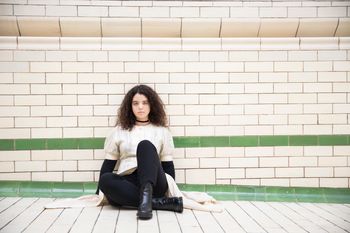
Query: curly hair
x,y
126,118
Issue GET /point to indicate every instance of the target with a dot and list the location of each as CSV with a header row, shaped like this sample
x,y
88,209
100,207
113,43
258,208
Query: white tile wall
x,y
184,11
210,87
61,11
304,12
244,12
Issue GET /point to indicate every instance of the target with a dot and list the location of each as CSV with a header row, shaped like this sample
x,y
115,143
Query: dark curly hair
x,y
126,118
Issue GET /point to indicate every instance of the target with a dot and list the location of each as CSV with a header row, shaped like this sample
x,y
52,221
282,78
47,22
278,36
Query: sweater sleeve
x,y
107,166
166,152
168,167
111,146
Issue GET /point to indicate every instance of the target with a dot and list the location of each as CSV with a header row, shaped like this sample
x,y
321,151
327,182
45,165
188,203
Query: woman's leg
x,y
125,190
118,190
150,176
149,169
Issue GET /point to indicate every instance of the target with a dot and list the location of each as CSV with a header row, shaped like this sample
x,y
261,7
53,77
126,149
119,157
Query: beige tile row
x,y
184,126
312,166
198,176
258,3
175,11
170,44
173,27
204,94
190,176
67,120
279,156
166,56
170,67
222,172
25,106
55,164
174,3
271,167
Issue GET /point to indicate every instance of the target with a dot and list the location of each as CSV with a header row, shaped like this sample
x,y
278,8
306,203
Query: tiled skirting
x,y
220,192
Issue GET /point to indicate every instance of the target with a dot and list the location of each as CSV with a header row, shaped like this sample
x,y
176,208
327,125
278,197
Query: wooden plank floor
x,y
28,215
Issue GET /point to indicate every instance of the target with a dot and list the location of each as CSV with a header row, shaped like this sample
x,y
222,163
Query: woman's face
x,y
140,107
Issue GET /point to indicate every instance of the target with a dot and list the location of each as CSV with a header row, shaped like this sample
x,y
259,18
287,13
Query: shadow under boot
x,y
168,203
144,211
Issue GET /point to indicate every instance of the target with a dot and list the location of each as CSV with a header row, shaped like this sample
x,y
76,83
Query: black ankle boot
x,y
145,206
168,203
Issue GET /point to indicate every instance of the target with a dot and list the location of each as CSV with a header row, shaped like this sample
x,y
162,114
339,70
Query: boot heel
x,y
144,215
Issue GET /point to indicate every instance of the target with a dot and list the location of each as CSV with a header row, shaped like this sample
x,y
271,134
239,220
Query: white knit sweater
x,y
121,145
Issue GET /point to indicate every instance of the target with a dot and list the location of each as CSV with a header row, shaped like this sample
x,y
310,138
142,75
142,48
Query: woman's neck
x,y
142,122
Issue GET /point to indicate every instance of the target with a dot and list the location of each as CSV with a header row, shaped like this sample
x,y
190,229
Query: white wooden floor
x,y
28,215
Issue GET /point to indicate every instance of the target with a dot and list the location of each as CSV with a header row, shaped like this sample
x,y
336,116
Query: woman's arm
x,y
166,153
168,167
107,166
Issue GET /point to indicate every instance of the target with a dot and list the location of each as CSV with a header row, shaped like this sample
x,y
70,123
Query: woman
x,y
141,146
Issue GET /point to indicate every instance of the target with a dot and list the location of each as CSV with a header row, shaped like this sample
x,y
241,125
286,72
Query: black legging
x,y
125,190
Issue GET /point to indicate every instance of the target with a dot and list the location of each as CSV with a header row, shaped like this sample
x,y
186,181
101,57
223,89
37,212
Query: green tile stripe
x,y
51,144
181,142
220,192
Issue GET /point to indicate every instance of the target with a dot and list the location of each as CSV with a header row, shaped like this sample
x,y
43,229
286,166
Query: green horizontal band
x,y
220,192
181,142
